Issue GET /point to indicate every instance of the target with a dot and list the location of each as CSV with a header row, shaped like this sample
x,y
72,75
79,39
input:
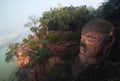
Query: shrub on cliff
x,y
53,37
43,55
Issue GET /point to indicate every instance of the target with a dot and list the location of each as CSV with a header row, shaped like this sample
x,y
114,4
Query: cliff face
x,y
21,60
60,52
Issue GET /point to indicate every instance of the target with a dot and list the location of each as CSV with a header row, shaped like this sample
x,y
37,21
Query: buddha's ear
x,y
111,41
108,44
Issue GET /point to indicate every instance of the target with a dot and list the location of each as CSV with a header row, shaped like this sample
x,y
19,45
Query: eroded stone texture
x,y
60,53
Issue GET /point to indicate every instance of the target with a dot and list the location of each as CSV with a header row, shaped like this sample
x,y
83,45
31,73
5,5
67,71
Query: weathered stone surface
x,y
60,53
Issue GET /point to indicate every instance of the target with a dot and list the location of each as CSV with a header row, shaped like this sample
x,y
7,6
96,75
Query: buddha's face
x,y
91,44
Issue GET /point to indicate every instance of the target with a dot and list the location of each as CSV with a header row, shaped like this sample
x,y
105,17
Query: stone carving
x,y
96,40
97,37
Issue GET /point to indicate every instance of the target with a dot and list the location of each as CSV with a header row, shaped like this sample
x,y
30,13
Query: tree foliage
x,y
33,44
11,52
33,23
66,19
43,55
110,10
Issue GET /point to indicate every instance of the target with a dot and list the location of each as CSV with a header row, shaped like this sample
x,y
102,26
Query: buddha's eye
x,y
91,39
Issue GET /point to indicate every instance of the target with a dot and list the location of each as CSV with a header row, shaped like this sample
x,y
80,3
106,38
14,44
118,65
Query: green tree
x,y
11,52
44,24
65,19
43,55
33,23
29,37
25,40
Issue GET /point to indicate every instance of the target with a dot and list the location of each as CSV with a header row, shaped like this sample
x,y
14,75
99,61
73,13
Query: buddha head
x,y
97,36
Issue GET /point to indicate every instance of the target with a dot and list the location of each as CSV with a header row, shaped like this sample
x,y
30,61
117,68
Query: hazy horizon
x,y
14,14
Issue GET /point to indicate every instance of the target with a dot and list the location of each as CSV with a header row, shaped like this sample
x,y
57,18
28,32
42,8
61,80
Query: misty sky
x,y
14,13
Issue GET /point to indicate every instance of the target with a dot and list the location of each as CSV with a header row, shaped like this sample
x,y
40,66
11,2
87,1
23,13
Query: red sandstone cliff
x,y
60,52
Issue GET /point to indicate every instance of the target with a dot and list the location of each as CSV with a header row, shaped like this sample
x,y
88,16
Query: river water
x,y
8,70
